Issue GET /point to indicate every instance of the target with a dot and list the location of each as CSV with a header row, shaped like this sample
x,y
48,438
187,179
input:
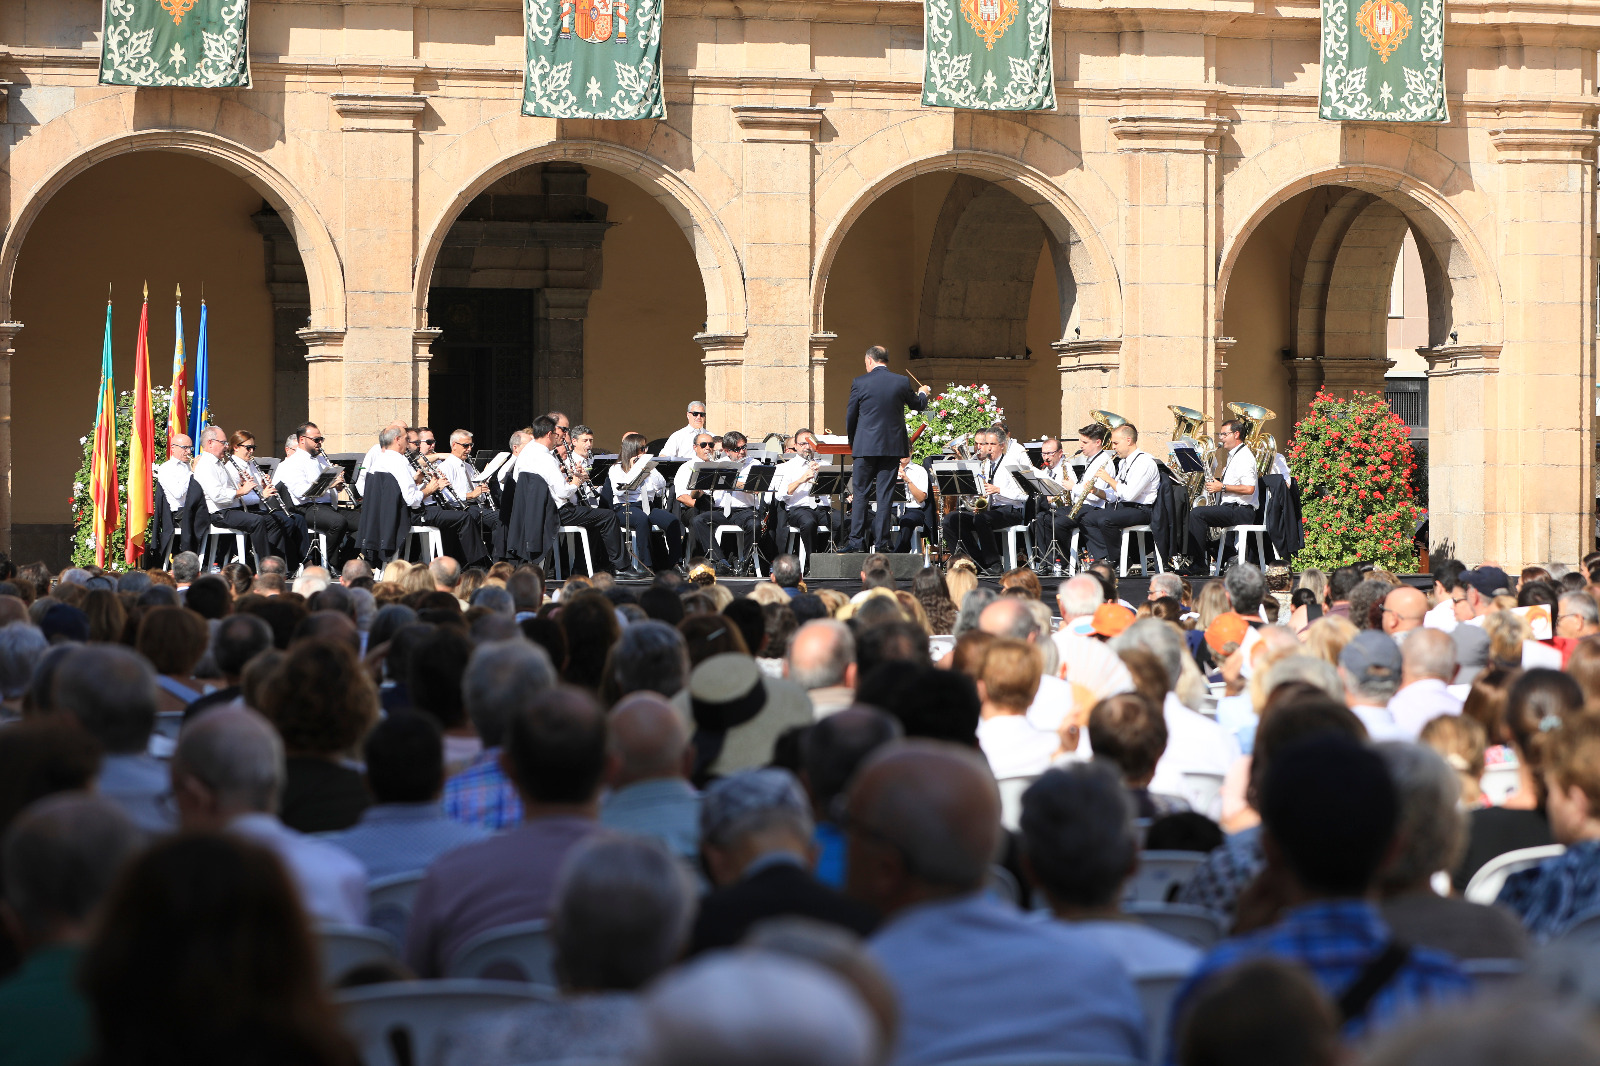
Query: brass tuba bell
x,y
1109,419
1189,424
1260,443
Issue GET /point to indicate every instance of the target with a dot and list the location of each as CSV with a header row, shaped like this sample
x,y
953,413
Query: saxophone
x,y
1080,498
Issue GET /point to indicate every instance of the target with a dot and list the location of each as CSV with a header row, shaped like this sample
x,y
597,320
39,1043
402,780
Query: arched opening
x,y
569,287
166,218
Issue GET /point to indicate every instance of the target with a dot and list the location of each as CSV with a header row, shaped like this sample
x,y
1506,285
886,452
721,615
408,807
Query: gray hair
x,y
112,691
1305,668
366,608
1246,587
516,438
1582,604
61,856
135,581
1080,595
1161,639
972,606
502,680
650,656
1430,653
1043,623
388,435
495,599
1432,829
236,754
21,646
754,801
185,567
830,667
1168,585
77,575
1078,833
622,911
291,441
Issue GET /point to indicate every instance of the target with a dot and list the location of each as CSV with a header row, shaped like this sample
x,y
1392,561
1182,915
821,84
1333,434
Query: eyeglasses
x,y
314,440
248,447
697,414
427,440
184,447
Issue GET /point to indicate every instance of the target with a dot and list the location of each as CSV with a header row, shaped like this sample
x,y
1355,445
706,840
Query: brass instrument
x,y
1189,425
1262,446
1080,499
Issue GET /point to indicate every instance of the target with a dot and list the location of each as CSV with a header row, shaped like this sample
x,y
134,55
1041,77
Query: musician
x,y
876,423
793,482
579,447
291,527
225,489
693,500
1234,494
640,505
537,457
296,474
290,445
1052,460
1057,523
457,468
1130,489
458,526
731,507
681,444
174,475
372,455
997,480
913,516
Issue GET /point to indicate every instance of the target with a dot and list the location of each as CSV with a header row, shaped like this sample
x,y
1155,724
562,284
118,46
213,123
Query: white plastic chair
x,y
389,901
1011,790
1491,877
1010,546
344,947
739,542
432,542
518,952
1196,925
1156,992
797,548
1147,545
400,1023
240,541
564,537
1160,873
1499,783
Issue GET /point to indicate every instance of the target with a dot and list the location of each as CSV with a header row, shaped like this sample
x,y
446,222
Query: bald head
x,y
1009,616
1403,610
647,739
822,653
1428,653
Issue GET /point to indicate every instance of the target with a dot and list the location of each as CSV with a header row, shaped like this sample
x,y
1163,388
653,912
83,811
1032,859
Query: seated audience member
x,y
757,1008
1548,897
939,704
649,657
1266,1012
1184,831
1427,669
1329,811
227,775
405,829
173,641
433,681
60,859
1054,700
1519,1030
204,955
975,977
822,660
756,835
620,918
896,640
502,680
1079,847
40,757
1430,836
1370,667
238,639
555,753
112,693
831,752
21,648
1008,681
322,704
648,773
1130,733
1460,741
842,953
739,712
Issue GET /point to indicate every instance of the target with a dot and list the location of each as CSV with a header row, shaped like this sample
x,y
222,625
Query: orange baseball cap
x,y
1226,633
1111,619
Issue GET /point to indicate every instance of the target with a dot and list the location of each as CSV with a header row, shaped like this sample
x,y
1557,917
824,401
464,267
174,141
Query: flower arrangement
x,y
1355,466
83,504
960,410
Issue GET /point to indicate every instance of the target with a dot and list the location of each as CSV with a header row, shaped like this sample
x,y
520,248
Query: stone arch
x,y
720,270
324,271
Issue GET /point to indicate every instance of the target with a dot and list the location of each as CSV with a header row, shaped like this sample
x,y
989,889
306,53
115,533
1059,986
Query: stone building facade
x,y
1184,229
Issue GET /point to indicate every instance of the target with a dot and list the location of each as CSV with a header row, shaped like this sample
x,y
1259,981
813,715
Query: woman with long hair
x,y
291,526
642,505
931,590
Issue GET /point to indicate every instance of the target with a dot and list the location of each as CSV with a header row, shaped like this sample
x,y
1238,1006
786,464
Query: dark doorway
x,y
482,377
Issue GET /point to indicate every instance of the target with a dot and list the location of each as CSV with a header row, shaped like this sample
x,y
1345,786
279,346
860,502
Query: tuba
x,y
1261,444
1189,425
1080,498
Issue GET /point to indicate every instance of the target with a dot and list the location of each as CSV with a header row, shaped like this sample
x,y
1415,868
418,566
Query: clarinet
x,y
244,476
446,493
269,499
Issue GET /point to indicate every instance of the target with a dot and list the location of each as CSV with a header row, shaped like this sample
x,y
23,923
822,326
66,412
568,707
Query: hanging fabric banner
x,y
593,59
203,44
990,55
1383,61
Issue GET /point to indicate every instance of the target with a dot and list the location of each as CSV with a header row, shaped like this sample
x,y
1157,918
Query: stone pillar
x,y
1305,378
559,382
1169,261
421,355
8,348
819,363
777,383
724,363
374,382
291,311
325,390
1539,499
1088,379
1463,455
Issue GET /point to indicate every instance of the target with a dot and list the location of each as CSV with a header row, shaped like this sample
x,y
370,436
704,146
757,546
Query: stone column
x,y
1463,455
724,363
421,355
325,391
777,388
819,363
375,380
1088,379
8,348
1539,492
559,385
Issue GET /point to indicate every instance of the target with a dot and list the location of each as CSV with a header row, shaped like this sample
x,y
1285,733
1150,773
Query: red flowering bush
x,y
1354,464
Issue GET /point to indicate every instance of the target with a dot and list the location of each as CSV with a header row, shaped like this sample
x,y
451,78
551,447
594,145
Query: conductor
x,y
876,423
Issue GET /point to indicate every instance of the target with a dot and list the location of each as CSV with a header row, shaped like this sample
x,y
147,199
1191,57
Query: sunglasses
x,y
315,440
697,414
427,440
707,445
248,447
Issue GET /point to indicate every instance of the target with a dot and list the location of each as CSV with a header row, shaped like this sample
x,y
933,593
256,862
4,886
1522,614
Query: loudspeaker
x,y
847,566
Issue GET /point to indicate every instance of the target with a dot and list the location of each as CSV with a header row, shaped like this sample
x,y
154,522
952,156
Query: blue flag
x,y
199,410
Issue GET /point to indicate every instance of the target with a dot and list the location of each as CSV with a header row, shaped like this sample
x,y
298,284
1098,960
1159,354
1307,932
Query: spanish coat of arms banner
x,y
990,55
593,59
198,44
1383,61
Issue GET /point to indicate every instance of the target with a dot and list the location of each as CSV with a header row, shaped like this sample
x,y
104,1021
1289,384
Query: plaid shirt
x,y
1548,897
483,795
1335,940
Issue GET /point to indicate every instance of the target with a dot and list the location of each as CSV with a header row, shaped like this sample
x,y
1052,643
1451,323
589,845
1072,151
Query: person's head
x,y
433,675
590,623
1428,654
1246,587
1341,583
696,414
1130,732
647,740
502,680
822,654
1079,597
621,914
1540,703
238,639
1161,585
876,356
1403,610
1461,743
1489,1031
104,610
1078,839
1264,1012
1370,666
938,704
649,656
1161,639
706,635
555,749
404,757
61,855
746,614
173,639
1329,811
750,814
181,447
1008,676
1299,712
1124,439
1478,590
1579,616
896,641
923,823
1009,617
229,762
1366,603
1431,832
1572,780
734,444
111,691
320,700
21,648
834,748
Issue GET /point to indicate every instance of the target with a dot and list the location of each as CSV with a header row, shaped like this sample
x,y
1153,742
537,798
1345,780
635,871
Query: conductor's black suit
x,y
876,423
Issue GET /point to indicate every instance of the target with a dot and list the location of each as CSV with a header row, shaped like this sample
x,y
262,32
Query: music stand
x,y
321,485
830,481
1043,489
714,477
956,479
599,468
758,479
636,477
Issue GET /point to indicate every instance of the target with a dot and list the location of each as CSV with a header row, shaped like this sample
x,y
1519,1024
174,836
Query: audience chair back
x,y
1196,925
389,901
1203,793
344,947
401,1023
1161,875
1011,790
1156,992
519,952
1491,876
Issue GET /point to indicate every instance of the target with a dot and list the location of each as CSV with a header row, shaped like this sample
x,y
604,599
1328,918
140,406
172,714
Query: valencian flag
x,y
200,44
141,444
1383,61
988,55
592,59
178,411
200,410
103,462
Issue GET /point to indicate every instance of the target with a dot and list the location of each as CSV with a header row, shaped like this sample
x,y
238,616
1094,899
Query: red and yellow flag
x,y
178,413
103,463
141,445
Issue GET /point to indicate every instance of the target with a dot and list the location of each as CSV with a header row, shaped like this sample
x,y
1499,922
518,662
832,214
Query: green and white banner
x,y
593,59
990,55
201,44
1383,61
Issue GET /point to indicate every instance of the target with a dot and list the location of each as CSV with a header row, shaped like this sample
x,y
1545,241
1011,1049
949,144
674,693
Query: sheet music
x,y
489,469
642,467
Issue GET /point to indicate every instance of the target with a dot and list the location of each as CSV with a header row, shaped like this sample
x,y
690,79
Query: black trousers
x,y
640,520
458,529
340,526
265,535
1214,516
1103,523
911,520
809,520
1057,524
745,518
976,531
599,525
872,477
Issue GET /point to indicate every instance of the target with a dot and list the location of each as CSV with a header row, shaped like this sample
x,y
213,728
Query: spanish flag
x,y
178,413
103,463
141,444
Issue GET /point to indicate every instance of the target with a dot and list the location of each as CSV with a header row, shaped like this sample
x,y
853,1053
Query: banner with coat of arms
x,y
1383,61
593,59
199,44
989,55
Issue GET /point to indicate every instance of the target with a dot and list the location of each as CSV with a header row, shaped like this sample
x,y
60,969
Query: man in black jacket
x,y
876,423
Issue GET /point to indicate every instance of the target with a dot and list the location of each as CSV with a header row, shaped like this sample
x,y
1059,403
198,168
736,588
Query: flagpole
x,y
141,445
178,410
103,462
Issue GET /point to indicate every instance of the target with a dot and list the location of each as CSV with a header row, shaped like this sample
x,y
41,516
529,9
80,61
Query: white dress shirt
x,y
1420,703
1240,469
535,458
457,472
297,472
1441,616
366,464
1069,478
1195,745
682,479
730,500
681,444
332,882
174,476
1379,722
1005,479
789,470
388,462
1014,747
1137,479
654,486
218,481
917,475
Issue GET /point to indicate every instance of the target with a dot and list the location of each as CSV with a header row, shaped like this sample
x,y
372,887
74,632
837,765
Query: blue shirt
x,y
830,855
402,838
1335,940
483,795
666,808
976,978
1548,897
